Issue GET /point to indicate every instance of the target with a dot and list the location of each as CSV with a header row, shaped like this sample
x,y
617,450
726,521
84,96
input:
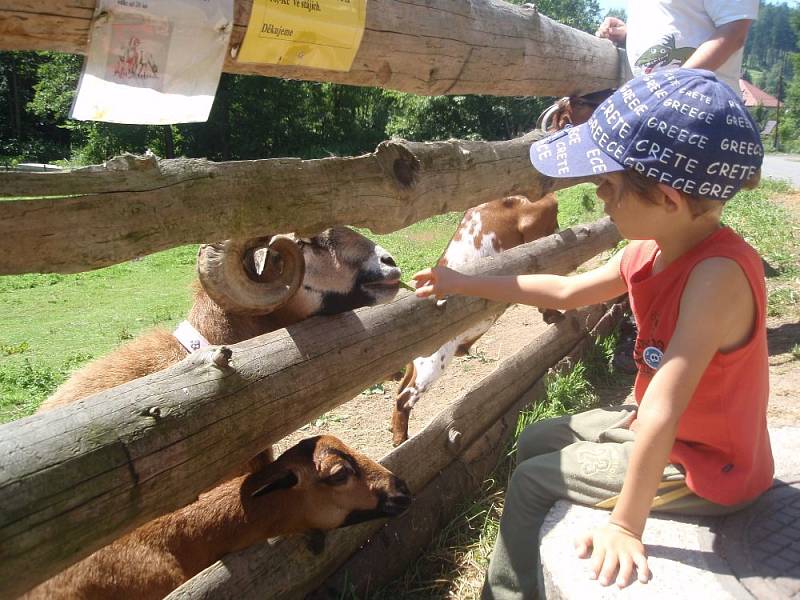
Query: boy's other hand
x,y
613,29
615,553
438,281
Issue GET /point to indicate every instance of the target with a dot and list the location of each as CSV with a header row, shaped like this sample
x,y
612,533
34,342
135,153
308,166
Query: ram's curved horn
x,y
228,274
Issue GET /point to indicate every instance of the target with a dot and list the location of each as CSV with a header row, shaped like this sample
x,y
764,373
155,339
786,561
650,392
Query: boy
x,y
670,148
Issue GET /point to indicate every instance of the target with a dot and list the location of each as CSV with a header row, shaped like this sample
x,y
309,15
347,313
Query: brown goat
x,y
318,484
485,230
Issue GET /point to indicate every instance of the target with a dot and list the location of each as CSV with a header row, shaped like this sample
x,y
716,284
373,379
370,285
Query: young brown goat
x,y
318,484
485,230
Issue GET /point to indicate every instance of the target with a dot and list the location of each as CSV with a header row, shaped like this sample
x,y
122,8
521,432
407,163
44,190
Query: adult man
x,y
694,34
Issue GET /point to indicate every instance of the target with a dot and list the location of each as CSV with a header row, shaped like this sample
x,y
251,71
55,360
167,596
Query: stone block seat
x,y
754,553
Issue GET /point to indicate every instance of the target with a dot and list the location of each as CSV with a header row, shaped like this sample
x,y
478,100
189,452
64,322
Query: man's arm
x,y
725,41
717,283
544,291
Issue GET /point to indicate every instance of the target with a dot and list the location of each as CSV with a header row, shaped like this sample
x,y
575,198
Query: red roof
x,y
754,96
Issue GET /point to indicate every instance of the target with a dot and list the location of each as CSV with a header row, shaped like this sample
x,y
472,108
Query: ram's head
x,y
335,271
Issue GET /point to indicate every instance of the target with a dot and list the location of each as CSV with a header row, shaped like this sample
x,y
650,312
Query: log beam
x,y
439,472
77,477
133,206
428,47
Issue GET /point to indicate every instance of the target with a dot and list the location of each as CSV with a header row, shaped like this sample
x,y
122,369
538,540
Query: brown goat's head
x,y
332,272
322,484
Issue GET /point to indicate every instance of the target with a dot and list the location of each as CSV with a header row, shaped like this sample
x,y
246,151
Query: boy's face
x,y
636,217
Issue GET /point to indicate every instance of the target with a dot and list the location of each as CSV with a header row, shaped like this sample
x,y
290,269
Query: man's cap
x,y
679,127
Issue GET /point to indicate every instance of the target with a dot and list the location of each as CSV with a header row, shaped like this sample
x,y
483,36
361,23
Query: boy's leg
x,y
584,472
550,435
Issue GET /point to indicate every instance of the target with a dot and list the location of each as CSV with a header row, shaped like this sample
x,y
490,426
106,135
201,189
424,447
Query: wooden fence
x,y
77,477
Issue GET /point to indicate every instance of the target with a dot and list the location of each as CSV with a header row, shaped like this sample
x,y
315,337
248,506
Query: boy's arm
x,y
545,291
716,301
724,42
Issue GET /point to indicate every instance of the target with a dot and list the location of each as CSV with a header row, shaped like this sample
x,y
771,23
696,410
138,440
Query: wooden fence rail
x,y
386,555
428,47
77,477
135,206
440,466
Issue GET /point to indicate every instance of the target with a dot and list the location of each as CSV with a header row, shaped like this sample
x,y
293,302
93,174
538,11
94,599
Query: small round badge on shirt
x,y
652,357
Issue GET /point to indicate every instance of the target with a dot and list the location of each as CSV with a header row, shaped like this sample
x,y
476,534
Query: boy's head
x,y
679,128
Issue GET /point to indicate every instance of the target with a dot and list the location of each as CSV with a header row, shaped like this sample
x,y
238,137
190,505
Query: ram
x,y
247,288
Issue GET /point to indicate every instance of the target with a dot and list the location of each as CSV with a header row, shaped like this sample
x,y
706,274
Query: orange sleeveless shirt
x,y
722,441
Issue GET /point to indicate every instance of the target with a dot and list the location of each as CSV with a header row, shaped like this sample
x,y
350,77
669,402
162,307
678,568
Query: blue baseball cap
x,y
679,127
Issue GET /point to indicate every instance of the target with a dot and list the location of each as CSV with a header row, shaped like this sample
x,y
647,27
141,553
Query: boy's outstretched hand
x,y
615,552
438,281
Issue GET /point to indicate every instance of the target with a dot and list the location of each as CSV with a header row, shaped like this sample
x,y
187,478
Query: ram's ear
x,y
281,480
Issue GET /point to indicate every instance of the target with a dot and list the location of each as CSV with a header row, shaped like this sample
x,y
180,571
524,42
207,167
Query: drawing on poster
x,y
139,50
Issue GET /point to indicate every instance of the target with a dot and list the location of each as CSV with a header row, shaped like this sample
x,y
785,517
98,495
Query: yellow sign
x,y
323,34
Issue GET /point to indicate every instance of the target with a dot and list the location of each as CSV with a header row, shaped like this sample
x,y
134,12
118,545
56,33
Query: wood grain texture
x,y
429,47
134,206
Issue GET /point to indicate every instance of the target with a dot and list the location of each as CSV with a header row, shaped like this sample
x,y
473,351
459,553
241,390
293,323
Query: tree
x,y
485,117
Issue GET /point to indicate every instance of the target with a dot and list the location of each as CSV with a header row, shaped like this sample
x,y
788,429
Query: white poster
x,y
153,62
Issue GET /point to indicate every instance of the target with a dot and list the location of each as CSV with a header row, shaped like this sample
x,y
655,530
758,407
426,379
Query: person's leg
x,y
550,435
584,472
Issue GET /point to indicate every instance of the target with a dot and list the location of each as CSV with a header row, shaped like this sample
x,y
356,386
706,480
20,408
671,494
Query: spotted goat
x,y
485,230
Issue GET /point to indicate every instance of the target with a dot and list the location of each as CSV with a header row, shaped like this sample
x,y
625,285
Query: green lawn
x,y
51,324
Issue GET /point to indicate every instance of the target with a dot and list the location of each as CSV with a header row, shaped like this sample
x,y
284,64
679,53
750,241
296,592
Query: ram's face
x,y
343,271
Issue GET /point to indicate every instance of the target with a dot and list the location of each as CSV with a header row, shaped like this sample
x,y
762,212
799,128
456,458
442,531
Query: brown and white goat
x,y
485,230
248,288
318,484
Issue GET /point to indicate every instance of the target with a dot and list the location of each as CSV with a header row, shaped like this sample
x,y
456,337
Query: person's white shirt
x,y
664,33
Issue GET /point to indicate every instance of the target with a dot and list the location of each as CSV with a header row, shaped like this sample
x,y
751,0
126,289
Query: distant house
x,y
754,96
757,100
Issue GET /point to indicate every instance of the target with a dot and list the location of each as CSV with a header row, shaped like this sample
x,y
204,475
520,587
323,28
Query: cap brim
x,y
571,153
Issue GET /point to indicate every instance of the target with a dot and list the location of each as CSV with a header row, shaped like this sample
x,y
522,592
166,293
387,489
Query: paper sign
x,y
154,61
323,34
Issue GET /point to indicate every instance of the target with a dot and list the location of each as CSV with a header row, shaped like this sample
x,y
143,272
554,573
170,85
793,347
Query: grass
x,y
772,231
51,324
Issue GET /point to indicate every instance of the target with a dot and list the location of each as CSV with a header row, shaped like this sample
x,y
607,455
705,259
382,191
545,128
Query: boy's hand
x,y
613,29
438,281
615,553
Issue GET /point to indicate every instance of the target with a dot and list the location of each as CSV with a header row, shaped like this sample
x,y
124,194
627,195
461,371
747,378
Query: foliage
x,y
770,36
24,136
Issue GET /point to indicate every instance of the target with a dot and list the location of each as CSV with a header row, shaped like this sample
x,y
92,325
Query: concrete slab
x,y
753,553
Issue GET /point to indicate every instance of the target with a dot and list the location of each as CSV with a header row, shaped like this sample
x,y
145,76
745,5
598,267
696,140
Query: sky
x,y
605,5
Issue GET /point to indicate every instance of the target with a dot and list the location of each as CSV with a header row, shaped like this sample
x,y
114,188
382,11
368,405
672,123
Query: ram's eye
x,y
338,476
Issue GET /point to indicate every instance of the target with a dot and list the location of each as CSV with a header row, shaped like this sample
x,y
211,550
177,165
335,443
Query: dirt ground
x,y
364,421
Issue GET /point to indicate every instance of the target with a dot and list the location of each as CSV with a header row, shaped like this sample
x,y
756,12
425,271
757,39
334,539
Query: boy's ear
x,y
672,200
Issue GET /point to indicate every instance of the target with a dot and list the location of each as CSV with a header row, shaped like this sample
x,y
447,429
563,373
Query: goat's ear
x,y
282,481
